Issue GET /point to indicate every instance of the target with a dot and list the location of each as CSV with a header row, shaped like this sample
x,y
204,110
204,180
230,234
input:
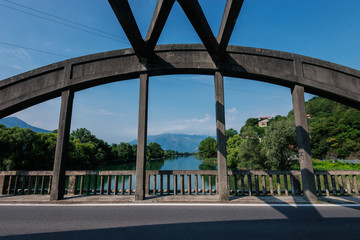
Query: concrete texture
x,y
317,77
214,57
62,145
220,135
110,199
303,139
142,137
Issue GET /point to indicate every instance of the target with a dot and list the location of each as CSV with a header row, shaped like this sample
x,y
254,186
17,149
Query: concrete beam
x,y
142,137
197,18
161,13
318,77
223,186
127,20
231,13
62,144
302,133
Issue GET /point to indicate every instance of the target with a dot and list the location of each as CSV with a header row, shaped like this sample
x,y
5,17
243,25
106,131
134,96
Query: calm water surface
x,y
177,163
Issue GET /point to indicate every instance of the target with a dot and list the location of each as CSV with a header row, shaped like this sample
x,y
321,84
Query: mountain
x,y
16,122
176,142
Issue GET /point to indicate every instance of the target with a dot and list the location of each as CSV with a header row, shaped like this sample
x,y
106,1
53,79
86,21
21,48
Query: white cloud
x,y
232,110
21,53
101,112
231,114
202,126
16,67
205,119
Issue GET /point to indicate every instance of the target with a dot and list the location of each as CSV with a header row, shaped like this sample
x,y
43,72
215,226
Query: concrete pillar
x,y
62,144
222,187
142,135
72,185
303,139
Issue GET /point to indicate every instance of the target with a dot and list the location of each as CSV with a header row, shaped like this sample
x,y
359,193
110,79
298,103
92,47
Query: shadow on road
x,y
292,228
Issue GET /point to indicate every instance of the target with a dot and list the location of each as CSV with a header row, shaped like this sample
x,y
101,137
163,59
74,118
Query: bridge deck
x,y
45,199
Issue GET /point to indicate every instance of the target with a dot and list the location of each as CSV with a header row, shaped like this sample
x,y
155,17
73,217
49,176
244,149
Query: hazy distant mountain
x,y
16,122
176,142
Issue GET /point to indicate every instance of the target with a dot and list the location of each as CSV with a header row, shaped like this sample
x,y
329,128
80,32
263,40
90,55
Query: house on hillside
x,y
263,121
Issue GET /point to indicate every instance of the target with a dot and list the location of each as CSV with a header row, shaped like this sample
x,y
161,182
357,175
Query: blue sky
x,y
329,30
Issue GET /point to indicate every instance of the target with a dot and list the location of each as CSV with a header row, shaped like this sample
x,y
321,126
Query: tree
x,y
334,128
208,148
230,133
83,135
250,154
125,151
233,150
253,123
154,150
280,144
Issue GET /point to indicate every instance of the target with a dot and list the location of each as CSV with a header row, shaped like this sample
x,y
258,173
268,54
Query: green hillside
x,y
334,129
334,133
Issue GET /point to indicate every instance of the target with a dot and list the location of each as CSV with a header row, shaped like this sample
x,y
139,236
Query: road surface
x,y
179,221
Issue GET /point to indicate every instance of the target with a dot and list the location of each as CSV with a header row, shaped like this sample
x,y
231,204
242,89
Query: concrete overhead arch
x,y
286,69
213,57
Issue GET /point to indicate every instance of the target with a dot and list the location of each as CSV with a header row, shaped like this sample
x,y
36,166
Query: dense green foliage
x,y
23,149
279,144
334,132
334,129
250,152
207,148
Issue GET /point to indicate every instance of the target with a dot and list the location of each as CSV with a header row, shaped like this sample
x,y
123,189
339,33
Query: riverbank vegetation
x,y
334,133
24,149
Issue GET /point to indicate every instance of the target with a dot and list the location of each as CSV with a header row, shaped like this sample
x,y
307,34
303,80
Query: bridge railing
x,y
337,183
101,182
25,182
248,183
177,182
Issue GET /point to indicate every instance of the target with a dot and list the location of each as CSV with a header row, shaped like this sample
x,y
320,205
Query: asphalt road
x,y
179,222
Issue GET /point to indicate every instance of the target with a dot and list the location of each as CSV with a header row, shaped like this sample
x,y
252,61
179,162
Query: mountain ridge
x,y
176,142
168,141
17,122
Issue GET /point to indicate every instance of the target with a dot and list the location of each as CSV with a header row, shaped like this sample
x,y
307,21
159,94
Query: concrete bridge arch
x,y
213,57
297,72
286,69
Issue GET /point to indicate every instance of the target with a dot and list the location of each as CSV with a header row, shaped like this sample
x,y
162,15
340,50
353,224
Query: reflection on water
x,y
177,163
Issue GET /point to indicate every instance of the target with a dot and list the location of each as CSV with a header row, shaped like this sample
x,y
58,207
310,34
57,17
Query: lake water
x,y
177,163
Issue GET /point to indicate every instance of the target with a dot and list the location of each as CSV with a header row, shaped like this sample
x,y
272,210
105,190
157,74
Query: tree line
x,y
24,149
334,133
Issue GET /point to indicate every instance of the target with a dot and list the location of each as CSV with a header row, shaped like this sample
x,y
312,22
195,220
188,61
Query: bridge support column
x,y
222,187
303,139
62,144
142,136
